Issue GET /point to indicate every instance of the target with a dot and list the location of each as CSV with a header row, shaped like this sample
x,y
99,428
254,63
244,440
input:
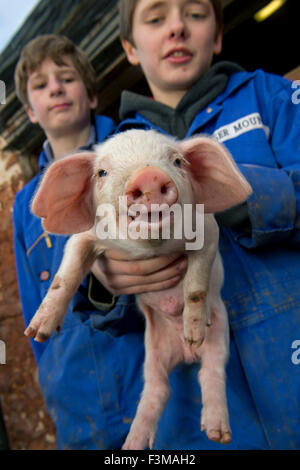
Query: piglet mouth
x,y
147,217
151,218
152,225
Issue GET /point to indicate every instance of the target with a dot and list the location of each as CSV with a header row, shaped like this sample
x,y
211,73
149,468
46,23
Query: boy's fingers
x,y
120,281
140,267
151,287
126,283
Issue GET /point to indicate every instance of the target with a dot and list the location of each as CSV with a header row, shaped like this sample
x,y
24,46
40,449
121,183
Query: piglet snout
x,y
151,185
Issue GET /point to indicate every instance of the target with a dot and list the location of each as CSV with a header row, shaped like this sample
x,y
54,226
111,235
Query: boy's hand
x,y
119,273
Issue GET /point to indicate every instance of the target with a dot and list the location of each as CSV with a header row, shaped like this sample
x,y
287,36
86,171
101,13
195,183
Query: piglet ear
x,y
217,182
65,199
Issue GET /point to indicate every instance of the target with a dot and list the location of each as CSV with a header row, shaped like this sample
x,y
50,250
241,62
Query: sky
x,y
12,16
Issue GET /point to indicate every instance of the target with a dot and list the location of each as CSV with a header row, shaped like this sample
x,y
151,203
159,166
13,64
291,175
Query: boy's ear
x,y
30,114
93,102
218,42
130,52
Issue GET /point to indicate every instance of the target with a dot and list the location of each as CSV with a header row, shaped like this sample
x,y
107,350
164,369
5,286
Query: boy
x,y
174,42
57,87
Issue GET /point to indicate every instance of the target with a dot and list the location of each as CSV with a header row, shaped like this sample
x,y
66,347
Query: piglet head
x,y
147,167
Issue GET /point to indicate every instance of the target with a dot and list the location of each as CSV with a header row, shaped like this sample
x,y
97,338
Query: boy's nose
x,y
177,27
55,86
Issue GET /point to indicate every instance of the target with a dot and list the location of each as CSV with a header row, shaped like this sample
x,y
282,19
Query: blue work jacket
x,y
91,372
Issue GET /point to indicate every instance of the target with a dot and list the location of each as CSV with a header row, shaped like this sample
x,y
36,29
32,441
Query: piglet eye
x,y
177,162
102,173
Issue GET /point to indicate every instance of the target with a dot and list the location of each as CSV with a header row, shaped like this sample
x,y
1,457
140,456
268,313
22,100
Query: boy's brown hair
x,y
127,7
54,47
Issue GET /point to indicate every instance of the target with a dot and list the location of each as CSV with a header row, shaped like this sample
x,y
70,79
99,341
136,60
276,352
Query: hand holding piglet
x,y
121,273
150,170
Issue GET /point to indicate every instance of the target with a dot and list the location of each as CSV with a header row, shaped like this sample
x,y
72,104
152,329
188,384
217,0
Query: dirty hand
x,y
119,273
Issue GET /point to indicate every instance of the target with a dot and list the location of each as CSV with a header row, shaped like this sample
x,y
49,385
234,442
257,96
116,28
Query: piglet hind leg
x,y
196,315
78,257
212,377
159,361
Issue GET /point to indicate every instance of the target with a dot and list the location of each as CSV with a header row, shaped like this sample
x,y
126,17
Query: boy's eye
x,y
196,15
154,20
102,173
39,86
67,79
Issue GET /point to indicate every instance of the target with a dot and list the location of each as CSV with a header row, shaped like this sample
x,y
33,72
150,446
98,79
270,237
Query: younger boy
x,y
57,86
252,113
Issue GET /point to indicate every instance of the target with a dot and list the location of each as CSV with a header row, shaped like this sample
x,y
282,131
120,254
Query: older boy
x,y
252,113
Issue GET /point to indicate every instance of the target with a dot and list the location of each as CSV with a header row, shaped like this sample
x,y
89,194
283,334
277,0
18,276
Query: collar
x,y
236,81
46,157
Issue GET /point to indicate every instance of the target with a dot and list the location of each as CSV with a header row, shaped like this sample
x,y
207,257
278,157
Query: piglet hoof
x,y
44,323
216,424
138,441
219,436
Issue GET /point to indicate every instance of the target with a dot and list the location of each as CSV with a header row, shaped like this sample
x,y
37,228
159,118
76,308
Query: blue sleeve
x,y
274,206
29,291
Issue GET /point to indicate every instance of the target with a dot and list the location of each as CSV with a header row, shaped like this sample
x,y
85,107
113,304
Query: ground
x,y
26,419
27,422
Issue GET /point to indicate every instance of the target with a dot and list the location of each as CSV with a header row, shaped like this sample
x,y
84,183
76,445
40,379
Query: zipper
x,y
47,240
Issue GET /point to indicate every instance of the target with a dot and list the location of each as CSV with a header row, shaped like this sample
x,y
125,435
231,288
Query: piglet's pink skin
x,y
186,323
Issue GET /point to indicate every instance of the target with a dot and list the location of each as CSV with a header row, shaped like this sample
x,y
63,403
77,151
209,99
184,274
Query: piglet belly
x,y
165,319
168,302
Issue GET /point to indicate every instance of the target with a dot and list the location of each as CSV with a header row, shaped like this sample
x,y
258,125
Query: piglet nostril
x,y
164,189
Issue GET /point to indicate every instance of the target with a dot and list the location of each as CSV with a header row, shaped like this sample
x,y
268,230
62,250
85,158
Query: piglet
x,y
186,323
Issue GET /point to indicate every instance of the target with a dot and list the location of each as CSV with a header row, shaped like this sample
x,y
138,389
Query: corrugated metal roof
x,y
91,24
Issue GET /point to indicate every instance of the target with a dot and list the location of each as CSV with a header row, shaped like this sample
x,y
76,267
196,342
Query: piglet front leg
x,y
196,315
51,313
78,258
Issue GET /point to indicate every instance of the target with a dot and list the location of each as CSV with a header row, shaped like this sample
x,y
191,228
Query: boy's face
x,y
58,98
174,42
